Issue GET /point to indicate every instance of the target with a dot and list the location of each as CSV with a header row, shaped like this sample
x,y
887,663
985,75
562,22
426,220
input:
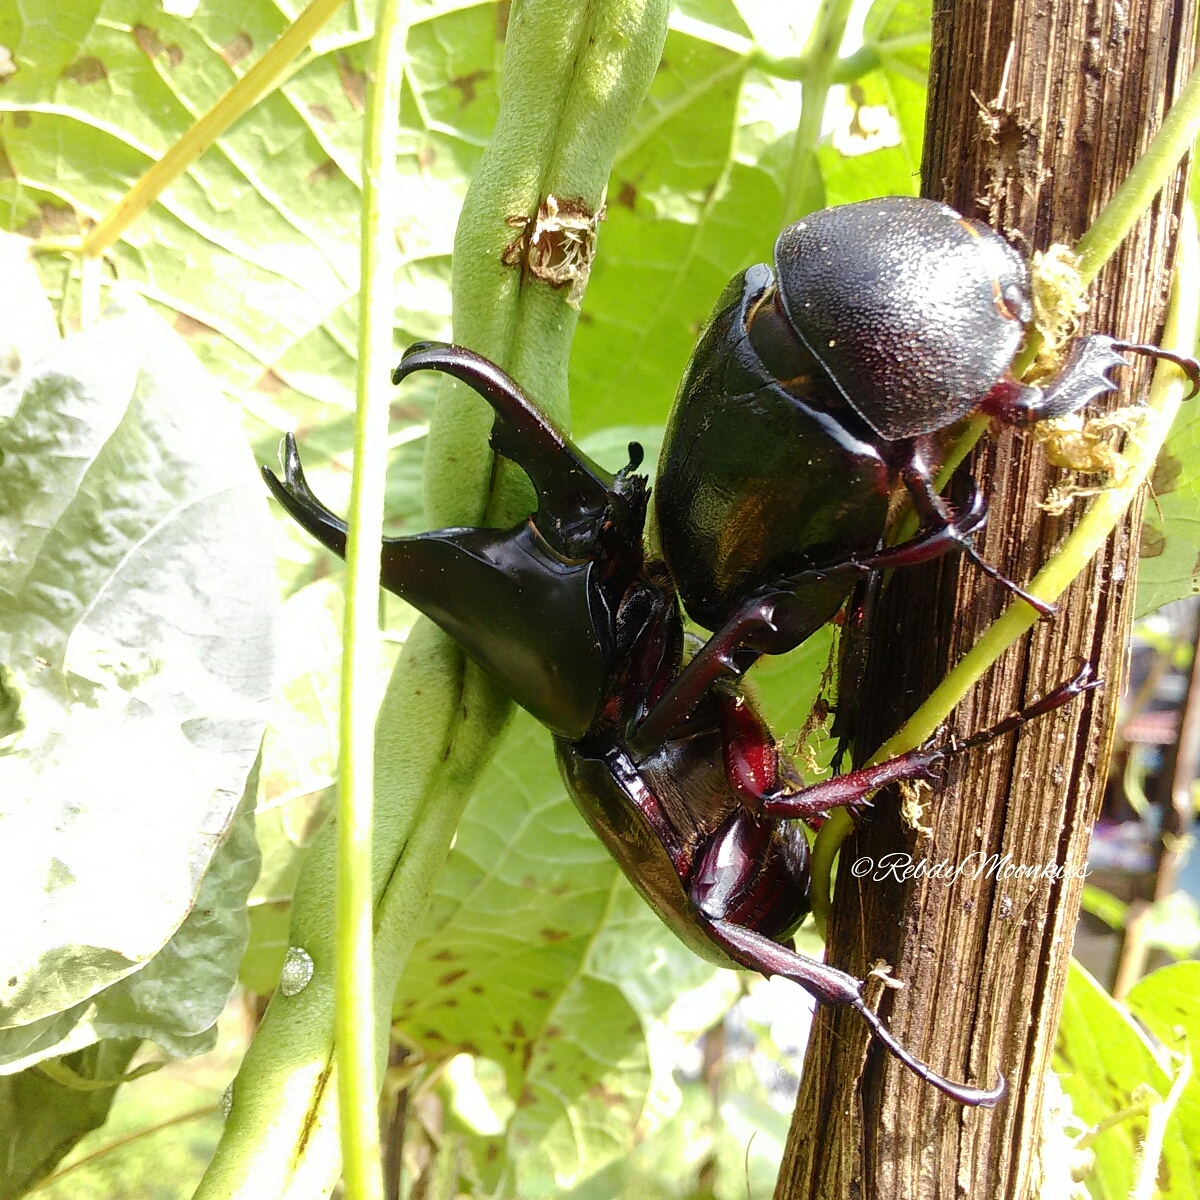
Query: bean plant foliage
x,y
152,632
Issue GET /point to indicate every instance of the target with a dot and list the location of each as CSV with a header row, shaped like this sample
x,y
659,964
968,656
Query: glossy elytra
x,y
817,390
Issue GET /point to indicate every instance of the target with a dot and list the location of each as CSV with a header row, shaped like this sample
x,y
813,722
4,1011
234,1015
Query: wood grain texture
x,y
1037,109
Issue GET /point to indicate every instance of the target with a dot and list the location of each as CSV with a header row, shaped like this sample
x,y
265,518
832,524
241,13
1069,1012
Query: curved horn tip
x,y
416,348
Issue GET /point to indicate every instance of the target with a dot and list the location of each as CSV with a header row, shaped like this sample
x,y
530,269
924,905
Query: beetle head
x,y
913,311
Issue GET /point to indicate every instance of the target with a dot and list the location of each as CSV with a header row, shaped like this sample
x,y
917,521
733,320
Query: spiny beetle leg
x,y
934,511
730,652
573,492
296,496
1083,378
855,786
836,989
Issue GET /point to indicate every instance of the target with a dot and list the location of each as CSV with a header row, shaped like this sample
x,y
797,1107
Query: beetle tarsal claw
x,y
1188,365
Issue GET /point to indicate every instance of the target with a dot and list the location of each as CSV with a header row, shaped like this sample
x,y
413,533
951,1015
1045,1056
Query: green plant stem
x,y
1129,1113
1150,1152
1076,552
573,76
244,94
354,1024
819,62
868,57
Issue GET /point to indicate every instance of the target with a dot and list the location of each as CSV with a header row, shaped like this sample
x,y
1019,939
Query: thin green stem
x,y
1150,1152
818,63
1129,1113
354,1012
573,77
244,94
867,58
1076,552
1173,140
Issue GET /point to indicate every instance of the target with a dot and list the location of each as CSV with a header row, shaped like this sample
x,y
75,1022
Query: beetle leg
x,y
934,511
1083,378
836,989
855,786
731,650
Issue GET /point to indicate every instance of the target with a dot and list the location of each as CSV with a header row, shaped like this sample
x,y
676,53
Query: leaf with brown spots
x,y
1167,472
566,962
86,71
324,172
189,327
148,41
465,86
1169,553
1153,542
354,82
237,48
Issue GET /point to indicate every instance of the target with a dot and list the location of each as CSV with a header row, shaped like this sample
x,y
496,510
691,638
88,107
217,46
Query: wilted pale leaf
x,y
136,599
27,325
174,999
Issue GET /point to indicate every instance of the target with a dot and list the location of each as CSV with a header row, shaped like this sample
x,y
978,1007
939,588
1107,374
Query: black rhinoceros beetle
x,y
814,392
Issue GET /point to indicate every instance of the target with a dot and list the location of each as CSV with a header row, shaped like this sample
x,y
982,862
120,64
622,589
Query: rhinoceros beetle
x,y
815,393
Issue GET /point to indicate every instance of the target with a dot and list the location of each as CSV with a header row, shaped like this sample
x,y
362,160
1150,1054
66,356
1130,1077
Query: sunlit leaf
x,y
1167,1002
1102,1056
137,602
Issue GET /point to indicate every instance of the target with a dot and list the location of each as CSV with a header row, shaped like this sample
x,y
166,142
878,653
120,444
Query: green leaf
x,y
1105,906
538,955
1169,556
269,215
42,1120
1167,1002
137,602
875,145
695,195
1102,1055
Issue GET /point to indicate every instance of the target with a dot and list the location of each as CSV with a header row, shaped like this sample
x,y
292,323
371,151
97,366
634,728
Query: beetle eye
x,y
1014,303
